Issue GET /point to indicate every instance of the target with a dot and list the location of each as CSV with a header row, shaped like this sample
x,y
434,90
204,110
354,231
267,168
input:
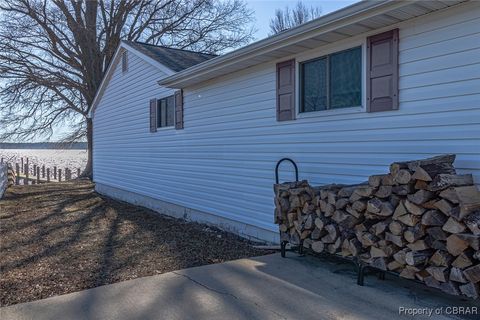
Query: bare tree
x,y
287,18
53,53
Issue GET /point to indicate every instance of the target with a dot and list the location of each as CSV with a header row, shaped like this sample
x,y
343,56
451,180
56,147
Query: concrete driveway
x,y
266,287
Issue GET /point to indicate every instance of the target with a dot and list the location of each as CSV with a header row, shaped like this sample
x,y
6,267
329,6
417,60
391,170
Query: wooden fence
x,y
25,173
3,178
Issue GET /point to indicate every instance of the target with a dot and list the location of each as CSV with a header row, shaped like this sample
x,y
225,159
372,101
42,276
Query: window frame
x,y
328,97
323,52
159,101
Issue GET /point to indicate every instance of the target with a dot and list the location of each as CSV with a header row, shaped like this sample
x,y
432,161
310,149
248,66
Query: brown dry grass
x,y
63,237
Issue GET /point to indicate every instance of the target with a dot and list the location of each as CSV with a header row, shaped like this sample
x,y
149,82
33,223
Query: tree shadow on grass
x,y
82,240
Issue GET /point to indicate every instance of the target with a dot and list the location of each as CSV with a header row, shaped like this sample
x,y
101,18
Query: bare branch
x,y
288,18
54,53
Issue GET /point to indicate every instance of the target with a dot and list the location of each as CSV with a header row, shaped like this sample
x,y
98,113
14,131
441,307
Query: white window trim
x,y
324,52
172,127
165,128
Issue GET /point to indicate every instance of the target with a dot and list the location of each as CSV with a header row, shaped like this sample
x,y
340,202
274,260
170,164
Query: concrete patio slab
x,y
266,287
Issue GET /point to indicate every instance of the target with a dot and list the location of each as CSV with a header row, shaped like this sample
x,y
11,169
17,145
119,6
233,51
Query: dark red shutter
x,y
286,90
382,71
179,109
153,115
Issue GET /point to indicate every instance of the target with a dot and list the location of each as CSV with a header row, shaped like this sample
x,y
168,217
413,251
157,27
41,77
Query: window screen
x,y
346,79
332,81
166,112
314,89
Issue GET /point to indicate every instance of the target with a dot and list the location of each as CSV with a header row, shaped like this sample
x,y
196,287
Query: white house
x,y
198,136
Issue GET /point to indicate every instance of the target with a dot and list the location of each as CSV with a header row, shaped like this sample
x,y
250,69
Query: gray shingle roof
x,y
175,59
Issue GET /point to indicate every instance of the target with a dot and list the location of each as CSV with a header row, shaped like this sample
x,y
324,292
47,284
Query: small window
x,y
332,82
166,112
124,61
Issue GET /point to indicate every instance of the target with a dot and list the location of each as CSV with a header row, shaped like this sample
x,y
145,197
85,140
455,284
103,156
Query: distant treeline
x,y
45,145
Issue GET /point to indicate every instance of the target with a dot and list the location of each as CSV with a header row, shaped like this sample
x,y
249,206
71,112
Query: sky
x,y
265,10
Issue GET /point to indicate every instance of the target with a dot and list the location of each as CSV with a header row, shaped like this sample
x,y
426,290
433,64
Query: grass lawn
x,y
63,237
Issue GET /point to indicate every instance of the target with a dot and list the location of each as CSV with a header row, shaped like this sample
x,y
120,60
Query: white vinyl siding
x,y
223,161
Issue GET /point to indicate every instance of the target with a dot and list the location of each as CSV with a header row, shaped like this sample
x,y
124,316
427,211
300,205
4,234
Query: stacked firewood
x,y
421,220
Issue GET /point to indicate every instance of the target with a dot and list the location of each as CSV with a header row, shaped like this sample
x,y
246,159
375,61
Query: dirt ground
x,y
63,237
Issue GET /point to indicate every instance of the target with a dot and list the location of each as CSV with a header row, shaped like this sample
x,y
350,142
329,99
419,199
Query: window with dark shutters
x,y
179,109
286,90
153,115
382,71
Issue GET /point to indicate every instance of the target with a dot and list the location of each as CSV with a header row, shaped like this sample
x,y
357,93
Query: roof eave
x,y
106,77
329,21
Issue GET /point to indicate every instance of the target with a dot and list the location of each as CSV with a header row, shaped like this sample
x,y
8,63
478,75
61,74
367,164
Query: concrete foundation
x,y
178,211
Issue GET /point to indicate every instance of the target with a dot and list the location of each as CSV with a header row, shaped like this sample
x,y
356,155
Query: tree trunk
x,y
88,172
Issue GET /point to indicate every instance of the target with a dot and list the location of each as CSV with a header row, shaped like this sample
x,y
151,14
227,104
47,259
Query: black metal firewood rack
x,y
361,268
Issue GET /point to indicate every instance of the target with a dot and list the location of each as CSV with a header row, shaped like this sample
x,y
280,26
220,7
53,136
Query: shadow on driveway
x,y
266,287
